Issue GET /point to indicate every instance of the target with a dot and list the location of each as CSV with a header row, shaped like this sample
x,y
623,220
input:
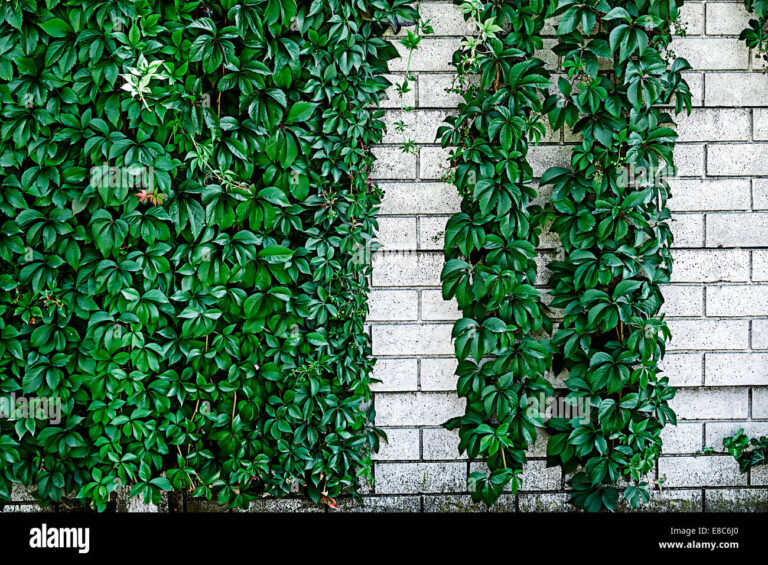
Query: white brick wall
x,y
717,304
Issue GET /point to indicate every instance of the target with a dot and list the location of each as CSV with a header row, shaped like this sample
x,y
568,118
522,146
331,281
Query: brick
x,y
708,334
705,195
689,159
685,437
441,444
397,234
736,500
417,409
736,369
381,504
547,54
760,193
569,136
539,447
668,500
737,300
543,194
720,89
696,86
433,162
549,239
395,375
445,19
462,503
737,159
432,232
419,198
20,493
414,478
433,91
711,403
422,125
392,163
393,305
727,265
543,260
737,230
545,502
680,300
544,157
402,444
711,470
683,369
422,339
434,308
407,269
692,14
758,475
760,334
760,265
712,53
26,508
537,476
433,54
392,98
285,505
688,230
438,374
722,124
726,18
759,127
760,403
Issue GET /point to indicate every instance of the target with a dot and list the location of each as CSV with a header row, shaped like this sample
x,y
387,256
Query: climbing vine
x,y
185,189
490,244
756,35
410,43
747,452
610,212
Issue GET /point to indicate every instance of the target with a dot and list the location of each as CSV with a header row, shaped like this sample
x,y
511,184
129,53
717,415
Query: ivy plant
x,y
756,35
748,452
410,43
610,211
185,192
490,253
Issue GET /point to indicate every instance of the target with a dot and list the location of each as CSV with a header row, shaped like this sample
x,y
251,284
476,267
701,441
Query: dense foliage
x,y
612,218
490,244
185,198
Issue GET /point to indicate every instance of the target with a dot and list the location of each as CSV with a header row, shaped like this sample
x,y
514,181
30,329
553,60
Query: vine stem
x,y
218,102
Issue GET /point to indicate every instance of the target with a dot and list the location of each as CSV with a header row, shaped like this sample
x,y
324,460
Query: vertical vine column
x,y
611,214
490,244
196,308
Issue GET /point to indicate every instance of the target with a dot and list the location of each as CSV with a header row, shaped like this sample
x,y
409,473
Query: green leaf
x,y
56,27
276,254
300,112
